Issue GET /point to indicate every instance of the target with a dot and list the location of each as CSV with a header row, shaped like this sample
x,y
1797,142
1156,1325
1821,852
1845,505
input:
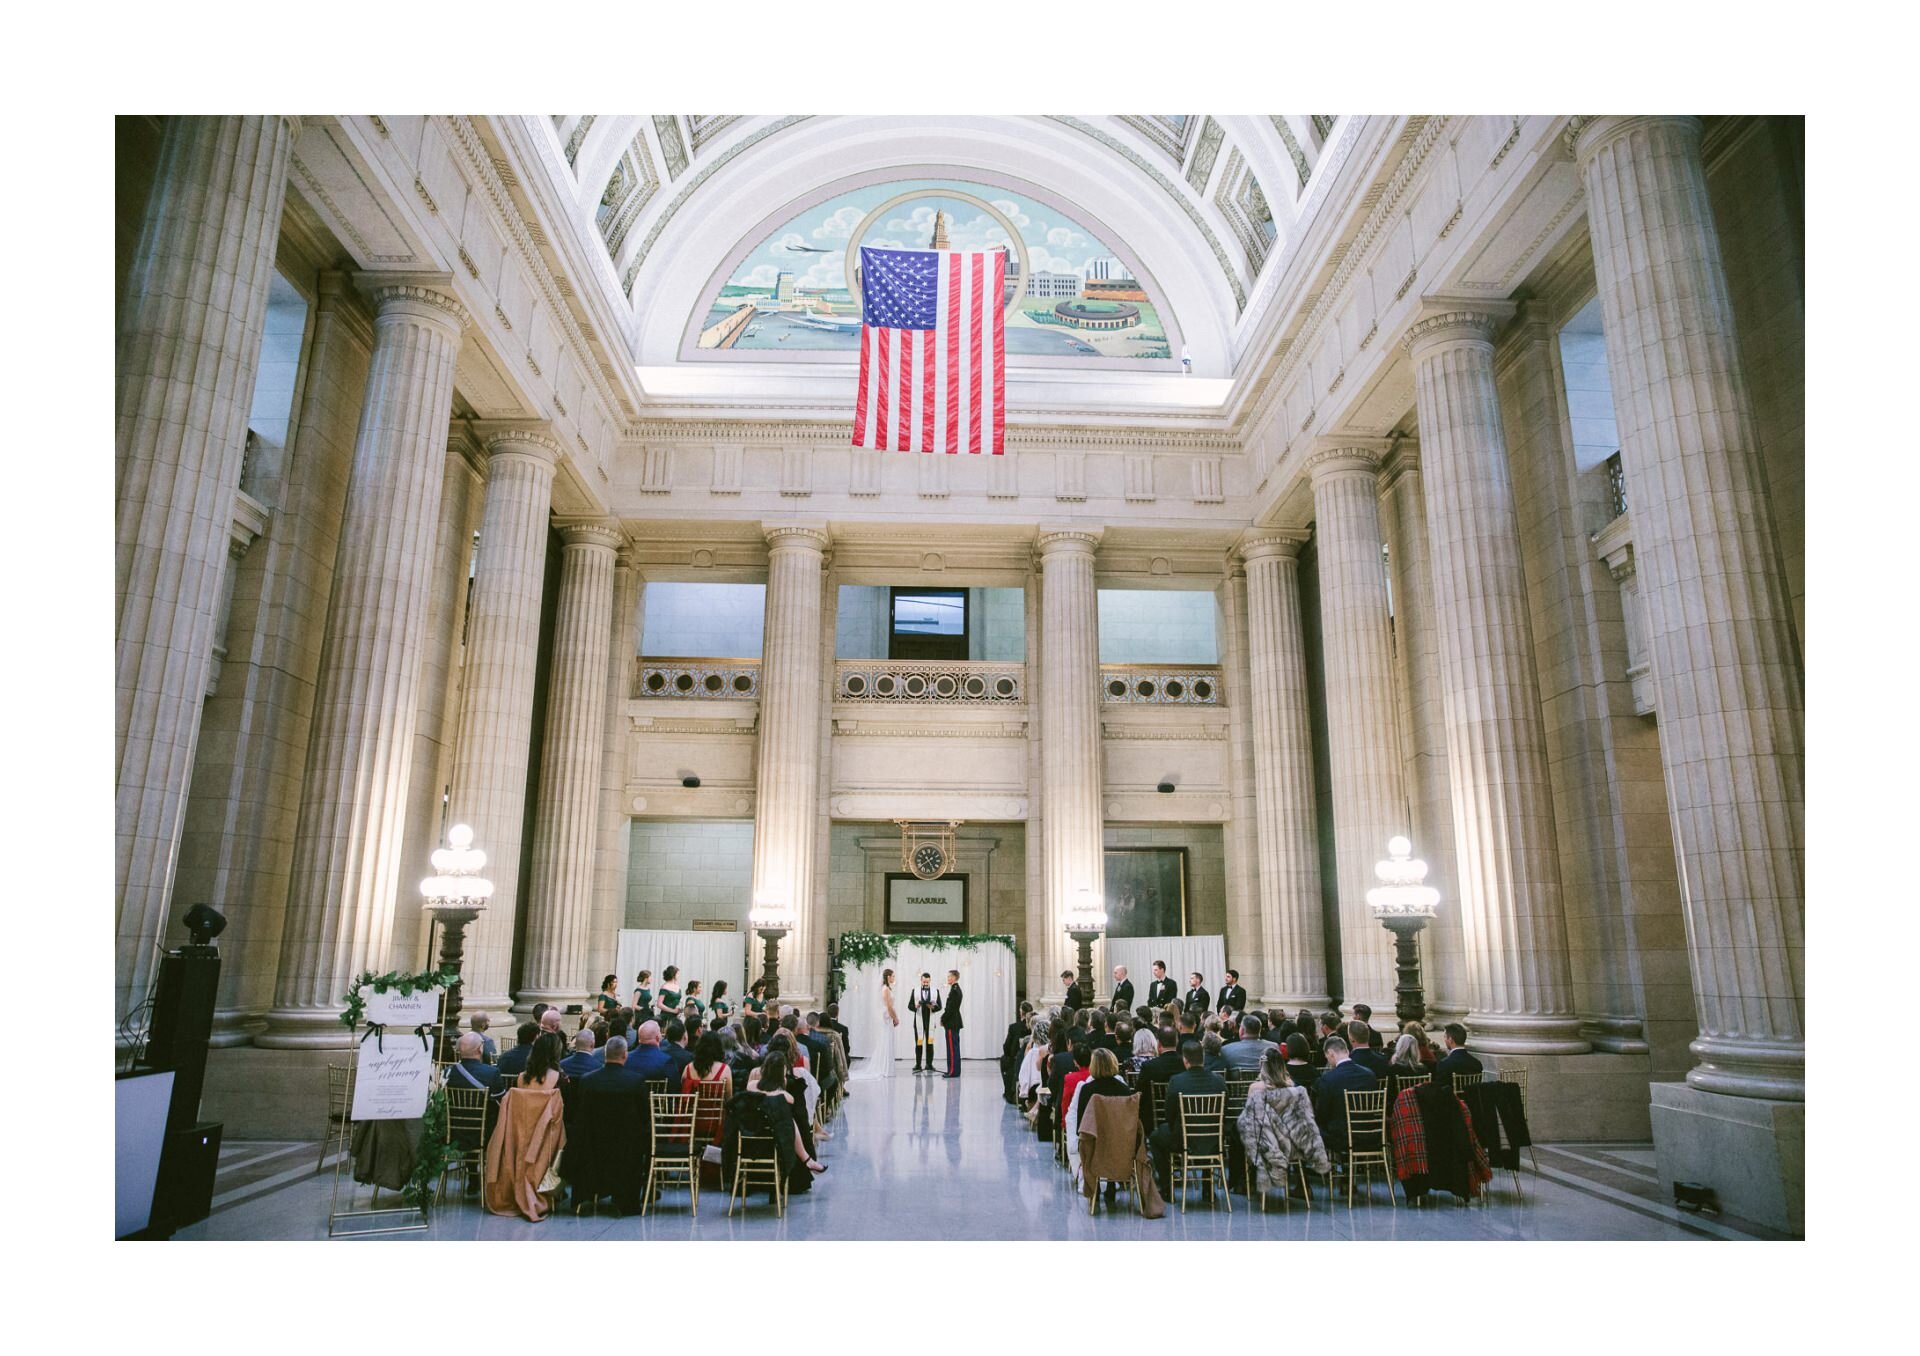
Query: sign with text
x,y
915,905
392,1077
393,1008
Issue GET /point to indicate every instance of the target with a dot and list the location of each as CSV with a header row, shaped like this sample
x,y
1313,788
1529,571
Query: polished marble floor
x,y
918,1157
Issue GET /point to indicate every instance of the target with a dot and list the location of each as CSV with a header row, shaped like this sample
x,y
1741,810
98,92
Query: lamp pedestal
x,y
1410,1003
770,971
1085,939
453,946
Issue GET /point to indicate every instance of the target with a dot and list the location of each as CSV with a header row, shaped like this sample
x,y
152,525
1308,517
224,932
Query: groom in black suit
x,y
950,1022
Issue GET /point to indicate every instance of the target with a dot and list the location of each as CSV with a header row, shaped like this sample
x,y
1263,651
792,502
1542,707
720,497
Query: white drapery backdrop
x,y
986,986
705,956
1183,956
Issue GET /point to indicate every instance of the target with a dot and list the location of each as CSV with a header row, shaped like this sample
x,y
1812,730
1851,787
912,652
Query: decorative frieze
x,y
1160,684
696,679
961,682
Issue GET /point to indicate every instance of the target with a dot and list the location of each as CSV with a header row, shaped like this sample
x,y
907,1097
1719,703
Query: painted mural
x,y
790,293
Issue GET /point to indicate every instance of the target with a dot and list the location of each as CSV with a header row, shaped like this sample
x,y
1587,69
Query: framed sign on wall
x,y
915,905
1146,891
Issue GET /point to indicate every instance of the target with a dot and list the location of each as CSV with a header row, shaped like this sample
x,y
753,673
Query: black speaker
x,y
184,1193
182,1021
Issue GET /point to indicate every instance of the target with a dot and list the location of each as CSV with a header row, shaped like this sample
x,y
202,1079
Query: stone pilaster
x,y
1070,741
186,355
1726,668
1363,745
1416,651
560,895
788,777
348,851
615,842
1506,857
496,699
1248,941
1289,853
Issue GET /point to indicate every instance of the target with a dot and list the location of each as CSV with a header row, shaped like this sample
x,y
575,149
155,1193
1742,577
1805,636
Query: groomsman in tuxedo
x,y
1122,990
1160,992
1233,998
922,1003
1075,999
1196,1003
950,1023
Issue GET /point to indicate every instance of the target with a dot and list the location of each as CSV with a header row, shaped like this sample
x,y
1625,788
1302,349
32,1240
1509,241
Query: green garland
x,y
432,1155
870,948
392,980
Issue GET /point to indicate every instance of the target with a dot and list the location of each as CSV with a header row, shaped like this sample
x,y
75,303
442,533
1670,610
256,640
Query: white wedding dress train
x,y
883,1045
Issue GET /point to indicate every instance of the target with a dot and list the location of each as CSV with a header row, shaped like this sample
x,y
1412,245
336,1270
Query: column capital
x,y
423,296
812,537
1274,544
602,533
1586,134
1332,454
507,437
1444,318
1067,541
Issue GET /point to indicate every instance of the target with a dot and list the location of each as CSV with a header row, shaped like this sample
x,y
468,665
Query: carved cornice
x,y
432,291
1446,318
1274,544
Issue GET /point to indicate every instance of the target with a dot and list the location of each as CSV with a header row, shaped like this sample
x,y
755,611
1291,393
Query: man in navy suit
x,y
1360,1042
583,1060
607,1154
648,1060
1161,1142
471,1070
1457,1060
1330,1093
514,1061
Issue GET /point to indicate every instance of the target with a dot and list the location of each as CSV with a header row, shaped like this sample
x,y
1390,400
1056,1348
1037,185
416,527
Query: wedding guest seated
x,y
1252,1047
1146,1043
549,1020
832,1023
478,1024
531,1132
1012,1046
607,1155
1457,1060
1277,1126
1103,1080
1159,1070
1211,1046
1330,1089
785,1120
1364,1013
1429,1052
514,1060
1360,1043
710,1068
1406,1056
1083,1059
1102,1037
676,1048
470,1070
543,1062
1329,1025
1192,1078
648,1059
1299,1062
583,1060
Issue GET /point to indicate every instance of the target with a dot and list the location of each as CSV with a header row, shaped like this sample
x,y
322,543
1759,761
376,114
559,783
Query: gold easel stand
x,y
375,1219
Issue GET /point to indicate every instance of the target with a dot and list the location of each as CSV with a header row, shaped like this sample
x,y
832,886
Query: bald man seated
x,y
470,1069
584,1060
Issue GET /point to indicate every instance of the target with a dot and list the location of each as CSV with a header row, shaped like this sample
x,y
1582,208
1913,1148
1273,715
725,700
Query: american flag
x,y
933,347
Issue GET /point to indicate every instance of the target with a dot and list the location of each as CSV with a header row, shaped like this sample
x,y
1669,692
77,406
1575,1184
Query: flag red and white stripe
x,y
942,389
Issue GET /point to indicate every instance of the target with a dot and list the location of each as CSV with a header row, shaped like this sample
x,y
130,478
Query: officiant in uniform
x,y
950,1023
922,1003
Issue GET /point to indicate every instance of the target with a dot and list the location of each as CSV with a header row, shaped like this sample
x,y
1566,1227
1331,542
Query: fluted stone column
x,y
187,351
1363,744
1403,513
496,699
1505,856
615,841
1726,668
560,894
788,777
1289,866
1074,857
349,848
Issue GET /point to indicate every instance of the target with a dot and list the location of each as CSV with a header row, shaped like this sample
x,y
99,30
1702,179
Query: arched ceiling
x,y
1198,204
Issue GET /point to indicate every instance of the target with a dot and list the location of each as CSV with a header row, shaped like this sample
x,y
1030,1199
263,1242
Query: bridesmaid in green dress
x,y
756,1001
643,998
691,1007
669,995
607,1000
719,1004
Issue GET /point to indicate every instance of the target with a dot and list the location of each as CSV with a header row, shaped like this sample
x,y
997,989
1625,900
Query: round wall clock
x,y
929,862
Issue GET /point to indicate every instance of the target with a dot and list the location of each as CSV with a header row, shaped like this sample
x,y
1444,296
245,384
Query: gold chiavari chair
x,y
466,1115
1461,1082
338,1131
1298,1168
676,1153
1239,1081
1404,1081
1202,1143
1367,1125
757,1163
711,1110
1518,1076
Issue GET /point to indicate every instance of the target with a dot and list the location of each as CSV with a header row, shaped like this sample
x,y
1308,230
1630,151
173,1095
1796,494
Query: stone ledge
x,y
1750,1150
1595,1097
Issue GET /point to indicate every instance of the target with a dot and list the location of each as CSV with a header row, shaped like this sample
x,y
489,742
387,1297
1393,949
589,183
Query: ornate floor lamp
x,y
455,895
1403,903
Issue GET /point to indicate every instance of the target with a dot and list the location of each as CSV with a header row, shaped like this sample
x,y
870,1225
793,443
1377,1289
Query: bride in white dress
x,y
879,1064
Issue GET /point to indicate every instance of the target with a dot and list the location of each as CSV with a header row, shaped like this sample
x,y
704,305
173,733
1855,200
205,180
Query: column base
x,y
303,1029
1510,1034
1572,1099
233,1027
1751,1150
1771,1070
1616,1035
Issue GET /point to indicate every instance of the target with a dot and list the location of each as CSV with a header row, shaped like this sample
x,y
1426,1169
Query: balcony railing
x,y
686,678
957,682
1616,485
1161,684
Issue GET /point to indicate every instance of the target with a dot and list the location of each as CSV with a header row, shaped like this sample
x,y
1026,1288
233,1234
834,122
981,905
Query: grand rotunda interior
x,y
528,607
